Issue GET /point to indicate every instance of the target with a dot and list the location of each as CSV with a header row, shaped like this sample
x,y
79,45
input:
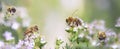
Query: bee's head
x,y
101,35
11,9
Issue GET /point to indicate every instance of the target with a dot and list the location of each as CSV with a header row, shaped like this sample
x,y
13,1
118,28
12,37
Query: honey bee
x,y
101,35
11,10
77,21
31,30
73,21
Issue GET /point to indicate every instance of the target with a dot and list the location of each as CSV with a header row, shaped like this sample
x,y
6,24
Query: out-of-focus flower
x,y
1,44
111,33
11,17
32,38
118,23
75,29
67,28
94,43
22,12
6,46
42,40
96,25
91,29
100,25
81,35
19,45
114,46
15,25
8,35
29,43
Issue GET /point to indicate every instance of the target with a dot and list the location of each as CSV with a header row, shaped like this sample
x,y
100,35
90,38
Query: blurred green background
x,y
50,14
92,9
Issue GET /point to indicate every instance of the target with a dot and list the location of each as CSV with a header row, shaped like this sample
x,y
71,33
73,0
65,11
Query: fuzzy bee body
x,y
31,30
11,11
101,36
73,21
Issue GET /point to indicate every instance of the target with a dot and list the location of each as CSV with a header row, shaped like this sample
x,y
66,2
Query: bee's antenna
x,y
74,12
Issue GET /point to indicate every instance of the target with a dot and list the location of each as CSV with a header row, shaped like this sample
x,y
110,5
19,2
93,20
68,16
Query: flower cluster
x,y
11,20
32,39
13,24
77,30
90,35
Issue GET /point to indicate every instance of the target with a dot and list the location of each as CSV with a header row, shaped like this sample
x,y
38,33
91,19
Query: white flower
x,y
8,35
29,47
81,35
111,33
31,44
75,29
20,43
15,25
8,46
42,40
67,28
26,42
94,43
95,26
99,24
90,29
1,43
85,25
114,46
